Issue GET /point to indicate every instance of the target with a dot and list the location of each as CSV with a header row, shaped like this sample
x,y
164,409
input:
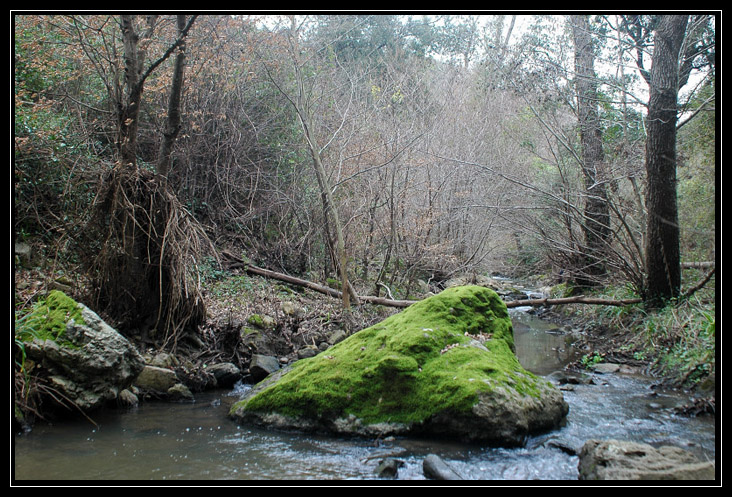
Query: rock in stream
x,y
445,366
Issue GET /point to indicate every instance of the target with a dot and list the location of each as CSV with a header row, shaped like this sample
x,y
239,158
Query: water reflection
x,y
540,346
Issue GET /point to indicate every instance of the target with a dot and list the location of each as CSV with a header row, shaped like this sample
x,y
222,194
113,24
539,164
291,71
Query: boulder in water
x,y
156,379
624,460
226,374
263,365
435,468
444,366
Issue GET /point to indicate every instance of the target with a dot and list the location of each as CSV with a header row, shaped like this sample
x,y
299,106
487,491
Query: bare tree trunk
x,y
176,89
135,54
128,109
340,259
596,225
663,267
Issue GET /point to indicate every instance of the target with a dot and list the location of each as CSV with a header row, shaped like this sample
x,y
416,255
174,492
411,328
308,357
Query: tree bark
x,y
128,108
172,126
340,260
663,268
129,99
596,222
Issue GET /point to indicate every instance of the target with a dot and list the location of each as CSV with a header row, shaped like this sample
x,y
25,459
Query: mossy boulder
x,y
84,360
444,366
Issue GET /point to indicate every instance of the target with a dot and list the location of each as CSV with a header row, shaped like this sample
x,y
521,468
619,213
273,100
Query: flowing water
x,y
197,441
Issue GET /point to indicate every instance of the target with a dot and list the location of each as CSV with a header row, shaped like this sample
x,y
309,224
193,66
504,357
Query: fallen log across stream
x,y
579,299
250,269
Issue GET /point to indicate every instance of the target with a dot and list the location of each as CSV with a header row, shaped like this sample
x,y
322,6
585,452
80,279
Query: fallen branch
x,y
238,262
697,265
700,285
580,299
322,288
291,279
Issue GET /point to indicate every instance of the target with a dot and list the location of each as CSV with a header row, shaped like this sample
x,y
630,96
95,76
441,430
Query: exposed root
x,y
148,250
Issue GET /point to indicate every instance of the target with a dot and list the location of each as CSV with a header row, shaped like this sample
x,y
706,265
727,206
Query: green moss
x,y
256,320
436,355
47,320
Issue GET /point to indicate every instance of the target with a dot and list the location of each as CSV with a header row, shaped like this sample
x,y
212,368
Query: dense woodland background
x,y
373,152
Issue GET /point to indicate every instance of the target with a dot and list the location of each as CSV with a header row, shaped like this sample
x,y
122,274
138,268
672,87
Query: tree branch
x,y
238,262
580,299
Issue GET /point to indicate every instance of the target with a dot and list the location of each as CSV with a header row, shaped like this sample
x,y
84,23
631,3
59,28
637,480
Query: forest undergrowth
x,y
675,344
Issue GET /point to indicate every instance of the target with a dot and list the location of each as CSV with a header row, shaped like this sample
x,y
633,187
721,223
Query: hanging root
x,y
148,250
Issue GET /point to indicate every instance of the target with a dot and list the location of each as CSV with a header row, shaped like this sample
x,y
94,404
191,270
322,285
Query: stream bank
x,y
195,440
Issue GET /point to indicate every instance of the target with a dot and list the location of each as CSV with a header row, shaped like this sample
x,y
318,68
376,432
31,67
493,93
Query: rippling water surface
x,y
197,441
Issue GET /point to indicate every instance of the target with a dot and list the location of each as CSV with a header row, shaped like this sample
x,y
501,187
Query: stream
x,y
197,441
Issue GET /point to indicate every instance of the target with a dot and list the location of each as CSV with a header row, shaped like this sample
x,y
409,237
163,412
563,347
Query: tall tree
x,y
304,102
596,225
141,235
128,106
136,42
172,126
663,268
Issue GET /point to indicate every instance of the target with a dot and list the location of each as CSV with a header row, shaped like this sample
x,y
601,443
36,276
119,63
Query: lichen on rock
x,y
445,365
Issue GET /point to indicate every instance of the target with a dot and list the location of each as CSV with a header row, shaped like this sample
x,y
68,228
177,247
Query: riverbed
x,y
197,441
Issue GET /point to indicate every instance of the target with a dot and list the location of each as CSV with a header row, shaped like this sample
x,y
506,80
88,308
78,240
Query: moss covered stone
x,y
47,320
438,366
85,362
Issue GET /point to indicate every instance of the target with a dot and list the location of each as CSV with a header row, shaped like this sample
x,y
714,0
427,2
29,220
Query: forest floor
x,y
289,318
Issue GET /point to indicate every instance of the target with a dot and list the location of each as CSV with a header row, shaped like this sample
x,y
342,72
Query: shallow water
x,y
197,441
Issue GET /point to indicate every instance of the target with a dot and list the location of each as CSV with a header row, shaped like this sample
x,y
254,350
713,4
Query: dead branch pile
x,y
147,253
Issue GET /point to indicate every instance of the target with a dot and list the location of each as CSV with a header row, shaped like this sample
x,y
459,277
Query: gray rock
x,y
307,351
127,399
226,374
257,341
164,360
336,337
435,468
623,460
606,368
98,365
156,379
262,366
179,392
389,467
568,378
